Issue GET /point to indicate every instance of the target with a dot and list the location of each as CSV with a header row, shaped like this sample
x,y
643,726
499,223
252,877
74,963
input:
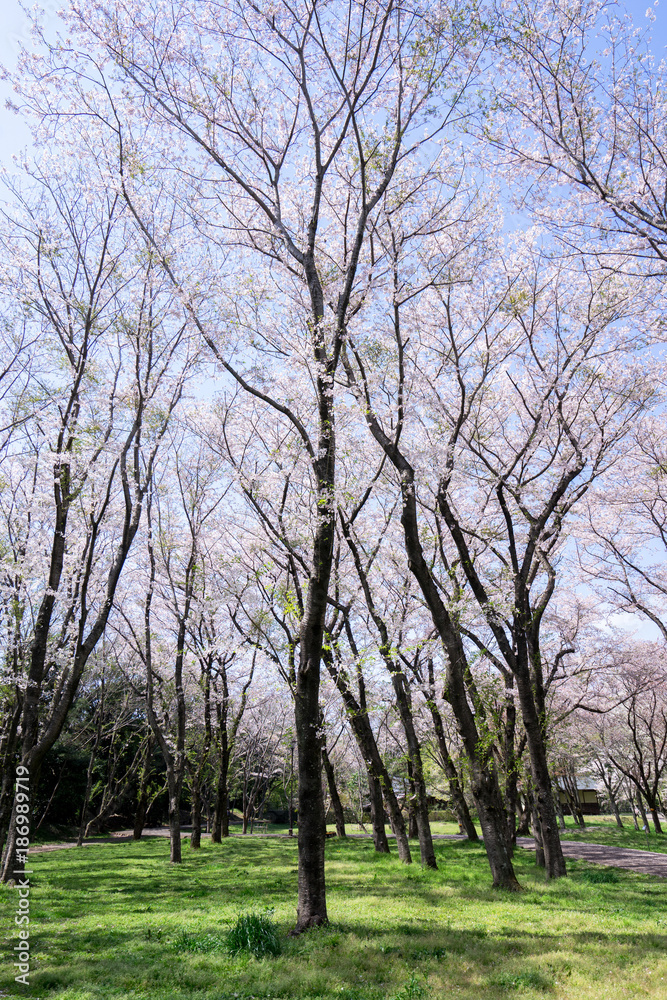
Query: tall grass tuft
x,y
255,933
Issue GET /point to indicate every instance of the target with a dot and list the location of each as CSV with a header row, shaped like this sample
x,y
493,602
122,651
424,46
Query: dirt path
x,y
642,862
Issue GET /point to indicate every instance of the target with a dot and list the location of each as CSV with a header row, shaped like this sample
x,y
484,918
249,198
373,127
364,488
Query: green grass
x,y
117,922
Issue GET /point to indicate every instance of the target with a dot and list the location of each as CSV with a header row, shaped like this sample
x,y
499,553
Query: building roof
x,y
582,784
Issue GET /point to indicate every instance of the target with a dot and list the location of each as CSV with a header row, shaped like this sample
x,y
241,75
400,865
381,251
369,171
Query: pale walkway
x,y
642,862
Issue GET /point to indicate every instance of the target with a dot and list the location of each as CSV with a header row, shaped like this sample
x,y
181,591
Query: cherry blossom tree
x,y
81,459
528,419
295,122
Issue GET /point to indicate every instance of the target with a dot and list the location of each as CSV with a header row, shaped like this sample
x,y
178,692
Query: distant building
x,y
586,792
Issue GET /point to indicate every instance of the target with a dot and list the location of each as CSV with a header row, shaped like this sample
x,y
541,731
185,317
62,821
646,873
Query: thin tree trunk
x,y
458,798
195,793
86,796
559,808
336,804
485,788
174,782
510,760
617,814
377,815
632,803
642,810
142,795
7,754
375,767
221,811
540,859
411,802
91,765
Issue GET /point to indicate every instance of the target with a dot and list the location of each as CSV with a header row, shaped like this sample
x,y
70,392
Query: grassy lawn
x,y
118,922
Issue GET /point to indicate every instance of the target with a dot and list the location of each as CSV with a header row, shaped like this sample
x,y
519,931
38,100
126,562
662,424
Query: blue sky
x,y
13,31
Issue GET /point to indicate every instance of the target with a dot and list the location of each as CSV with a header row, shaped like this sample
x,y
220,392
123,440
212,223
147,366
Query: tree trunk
x,y
617,814
174,783
632,803
221,811
6,799
336,804
402,692
410,801
510,761
656,819
86,796
523,826
312,907
142,794
363,734
485,788
543,796
377,815
7,757
612,799
559,808
195,837
458,798
540,859
642,810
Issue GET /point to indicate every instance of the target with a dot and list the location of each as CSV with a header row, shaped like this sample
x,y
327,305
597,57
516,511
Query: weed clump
x,y
254,933
414,990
